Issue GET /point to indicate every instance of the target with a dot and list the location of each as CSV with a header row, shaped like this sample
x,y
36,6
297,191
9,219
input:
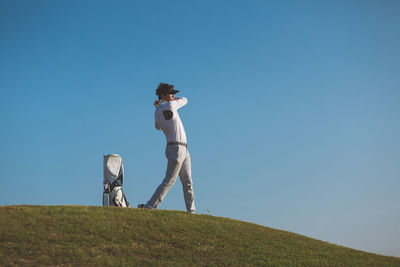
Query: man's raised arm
x,y
177,103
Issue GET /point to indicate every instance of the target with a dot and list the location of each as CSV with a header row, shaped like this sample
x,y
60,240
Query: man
x,y
167,119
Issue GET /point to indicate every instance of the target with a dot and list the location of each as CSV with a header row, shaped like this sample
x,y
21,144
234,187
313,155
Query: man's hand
x,y
156,103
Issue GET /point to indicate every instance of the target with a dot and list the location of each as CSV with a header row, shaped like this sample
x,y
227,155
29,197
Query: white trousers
x,y
178,164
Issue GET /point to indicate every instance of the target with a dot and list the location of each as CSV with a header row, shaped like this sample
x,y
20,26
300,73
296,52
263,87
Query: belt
x,y
177,143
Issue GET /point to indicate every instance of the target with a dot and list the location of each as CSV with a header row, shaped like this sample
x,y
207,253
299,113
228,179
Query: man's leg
x,y
170,177
187,184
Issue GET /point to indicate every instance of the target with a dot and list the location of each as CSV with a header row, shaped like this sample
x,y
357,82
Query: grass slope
x,y
75,236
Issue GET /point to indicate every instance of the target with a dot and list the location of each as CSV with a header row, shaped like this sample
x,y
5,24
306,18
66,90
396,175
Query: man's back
x,y
168,120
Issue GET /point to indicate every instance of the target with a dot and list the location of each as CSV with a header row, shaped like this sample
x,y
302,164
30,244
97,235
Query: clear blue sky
x,y
293,118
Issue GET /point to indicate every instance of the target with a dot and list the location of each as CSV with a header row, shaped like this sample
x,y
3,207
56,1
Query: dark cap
x,y
165,88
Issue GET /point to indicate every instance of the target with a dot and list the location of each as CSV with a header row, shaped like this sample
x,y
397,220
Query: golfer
x,y
167,119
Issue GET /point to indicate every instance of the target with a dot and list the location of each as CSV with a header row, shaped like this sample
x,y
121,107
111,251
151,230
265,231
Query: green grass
x,y
108,236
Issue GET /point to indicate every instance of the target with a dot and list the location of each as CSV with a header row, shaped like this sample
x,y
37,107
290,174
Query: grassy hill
x,y
76,236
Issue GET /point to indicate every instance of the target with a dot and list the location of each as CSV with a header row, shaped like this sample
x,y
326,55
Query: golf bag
x,y
113,180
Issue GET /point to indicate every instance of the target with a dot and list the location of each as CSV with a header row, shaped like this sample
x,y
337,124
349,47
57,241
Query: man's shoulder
x,y
163,105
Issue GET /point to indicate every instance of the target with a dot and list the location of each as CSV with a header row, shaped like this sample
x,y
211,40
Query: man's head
x,y
166,91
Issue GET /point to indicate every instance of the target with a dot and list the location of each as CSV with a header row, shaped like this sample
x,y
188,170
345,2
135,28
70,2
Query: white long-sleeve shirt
x,y
167,119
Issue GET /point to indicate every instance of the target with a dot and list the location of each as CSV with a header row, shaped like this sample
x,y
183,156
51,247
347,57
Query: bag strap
x,y
118,181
